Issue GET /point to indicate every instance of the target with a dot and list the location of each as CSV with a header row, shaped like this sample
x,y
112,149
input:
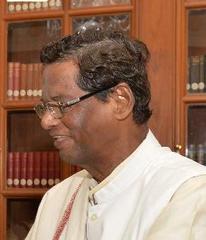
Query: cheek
x,y
75,121
90,121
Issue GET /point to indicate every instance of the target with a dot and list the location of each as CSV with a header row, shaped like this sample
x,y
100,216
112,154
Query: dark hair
x,y
105,59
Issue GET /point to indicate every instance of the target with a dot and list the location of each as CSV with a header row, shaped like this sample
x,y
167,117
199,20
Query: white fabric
x,y
184,217
52,208
128,202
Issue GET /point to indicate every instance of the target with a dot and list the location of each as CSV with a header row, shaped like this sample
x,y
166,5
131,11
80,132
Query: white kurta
x,y
133,203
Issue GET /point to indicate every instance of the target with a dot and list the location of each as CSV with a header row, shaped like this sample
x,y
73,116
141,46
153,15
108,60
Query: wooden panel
x,y
157,30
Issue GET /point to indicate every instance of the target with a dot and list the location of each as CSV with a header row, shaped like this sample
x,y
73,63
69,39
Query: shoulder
x,y
194,187
184,215
67,185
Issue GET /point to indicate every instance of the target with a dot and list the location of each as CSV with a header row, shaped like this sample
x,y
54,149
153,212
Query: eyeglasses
x,y
57,109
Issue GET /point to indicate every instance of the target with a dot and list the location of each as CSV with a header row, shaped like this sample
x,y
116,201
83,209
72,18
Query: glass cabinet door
x,y
114,22
196,51
32,160
25,39
20,217
196,128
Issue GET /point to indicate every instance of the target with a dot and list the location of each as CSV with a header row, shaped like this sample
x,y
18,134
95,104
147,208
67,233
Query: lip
x,y
60,140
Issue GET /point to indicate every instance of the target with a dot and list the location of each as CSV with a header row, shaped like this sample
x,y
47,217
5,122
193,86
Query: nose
x,y
48,121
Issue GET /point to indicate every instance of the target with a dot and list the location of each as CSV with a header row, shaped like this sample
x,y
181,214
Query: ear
x,y
123,101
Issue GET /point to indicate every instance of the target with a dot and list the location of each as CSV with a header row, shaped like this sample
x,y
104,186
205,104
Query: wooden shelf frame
x,y
8,105
183,98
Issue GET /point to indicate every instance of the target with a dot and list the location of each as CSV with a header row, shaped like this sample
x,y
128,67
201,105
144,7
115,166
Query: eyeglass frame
x,y
63,105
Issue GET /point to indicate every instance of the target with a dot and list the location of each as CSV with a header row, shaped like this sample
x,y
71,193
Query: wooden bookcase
x,y
24,29
191,79
178,115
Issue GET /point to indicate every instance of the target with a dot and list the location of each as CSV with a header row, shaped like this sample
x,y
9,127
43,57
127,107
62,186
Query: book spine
x,y
51,159
188,85
58,3
17,168
11,7
31,6
38,5
44,164
51,3
23,80
23,172
200,154
195,73
16,78
30,169
29,80
204,73
10,168
40,68
45,5
201,84
35,79
10,88
25,6
56,167
37,169
18,7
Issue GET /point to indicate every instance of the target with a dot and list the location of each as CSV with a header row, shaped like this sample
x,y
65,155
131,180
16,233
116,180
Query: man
x,y
95,106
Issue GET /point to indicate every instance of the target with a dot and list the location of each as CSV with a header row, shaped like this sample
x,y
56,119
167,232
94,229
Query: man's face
x,y
85,131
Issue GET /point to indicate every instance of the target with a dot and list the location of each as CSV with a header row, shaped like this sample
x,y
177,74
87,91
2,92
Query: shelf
x,y
20,104
195,3
24,192
195,98
24,33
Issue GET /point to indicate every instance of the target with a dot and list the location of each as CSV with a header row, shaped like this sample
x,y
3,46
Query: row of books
x,y
34,5
197,74
24,80
197,152
33,169
97,3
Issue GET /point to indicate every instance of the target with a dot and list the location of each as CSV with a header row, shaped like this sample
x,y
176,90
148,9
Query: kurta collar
x,y
128,171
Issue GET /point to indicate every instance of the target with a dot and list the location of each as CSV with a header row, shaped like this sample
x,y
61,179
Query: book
x,y
23,170
10,80
195,73
16,79
200,153
30,169
44,164
51,159
201,85
35,79
191,152
37,168
11,7
56,167
17,167
40,68
29,91
10,169
23,79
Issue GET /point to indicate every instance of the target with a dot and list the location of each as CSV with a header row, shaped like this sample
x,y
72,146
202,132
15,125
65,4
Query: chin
x,y
68,158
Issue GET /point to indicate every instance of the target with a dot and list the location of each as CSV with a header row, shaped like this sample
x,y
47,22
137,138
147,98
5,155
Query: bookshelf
x,y
29,163
191,74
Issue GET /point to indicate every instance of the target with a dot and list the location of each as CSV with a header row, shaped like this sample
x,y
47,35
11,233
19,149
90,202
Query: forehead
x,y
59,79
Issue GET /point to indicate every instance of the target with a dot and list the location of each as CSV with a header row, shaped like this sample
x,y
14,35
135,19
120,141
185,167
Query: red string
x,y
66,216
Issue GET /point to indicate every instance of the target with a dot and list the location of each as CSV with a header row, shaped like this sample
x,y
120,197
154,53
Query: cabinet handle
x,y
178,147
